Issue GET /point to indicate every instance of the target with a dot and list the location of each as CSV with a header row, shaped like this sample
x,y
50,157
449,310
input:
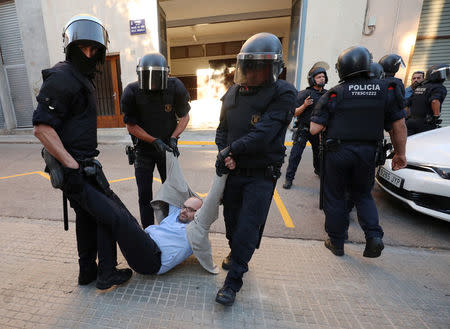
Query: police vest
x,y
156,111
357,110
420,105
244,111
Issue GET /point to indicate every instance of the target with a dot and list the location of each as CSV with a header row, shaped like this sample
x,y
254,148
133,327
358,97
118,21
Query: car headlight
x,y
442,171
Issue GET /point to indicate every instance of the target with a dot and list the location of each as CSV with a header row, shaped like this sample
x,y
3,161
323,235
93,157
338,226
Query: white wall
x,y
396,29
331,26
115,15
334,25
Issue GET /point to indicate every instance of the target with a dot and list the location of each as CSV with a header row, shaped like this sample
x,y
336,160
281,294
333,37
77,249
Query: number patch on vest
x,y
362,90
420,90
168,107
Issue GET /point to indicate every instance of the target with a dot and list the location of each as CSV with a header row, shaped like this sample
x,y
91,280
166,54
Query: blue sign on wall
x,y
137,26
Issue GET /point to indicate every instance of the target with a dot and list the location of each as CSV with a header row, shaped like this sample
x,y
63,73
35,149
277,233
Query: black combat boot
x,y
88,274
335,250
374,246
107,279
287,184
226,296
227,262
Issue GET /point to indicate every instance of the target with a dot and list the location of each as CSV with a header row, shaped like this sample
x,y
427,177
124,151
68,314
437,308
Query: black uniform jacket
x,y
255,125
67,103
305,118
156,112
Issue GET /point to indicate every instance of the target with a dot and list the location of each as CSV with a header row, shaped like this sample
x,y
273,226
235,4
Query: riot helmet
x,y
376,71
315,70
88,30
353,61
260,61
152,71
391,63
438,73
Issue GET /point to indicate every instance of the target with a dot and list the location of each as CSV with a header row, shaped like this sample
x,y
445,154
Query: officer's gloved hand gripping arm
x,y
181,125
141,134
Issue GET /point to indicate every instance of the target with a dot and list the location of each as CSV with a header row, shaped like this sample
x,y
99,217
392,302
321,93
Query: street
x,y
26,193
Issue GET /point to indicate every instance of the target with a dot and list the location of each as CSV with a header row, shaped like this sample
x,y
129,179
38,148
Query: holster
x,y
92,168
380,154
54,168
130,151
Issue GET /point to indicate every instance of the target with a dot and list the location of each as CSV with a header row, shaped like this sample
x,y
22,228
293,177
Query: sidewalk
x,y
290,284
104,136
112,136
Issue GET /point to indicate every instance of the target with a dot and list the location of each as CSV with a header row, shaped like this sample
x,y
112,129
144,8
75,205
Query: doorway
x,y
108,92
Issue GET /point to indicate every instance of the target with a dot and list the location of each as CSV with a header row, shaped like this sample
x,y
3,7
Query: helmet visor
x,y
256,72
152,78
85,30
400,62
442,73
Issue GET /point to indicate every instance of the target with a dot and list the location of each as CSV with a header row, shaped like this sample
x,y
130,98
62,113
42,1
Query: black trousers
x,y
246,203
349,174
103,220
144,167
297,151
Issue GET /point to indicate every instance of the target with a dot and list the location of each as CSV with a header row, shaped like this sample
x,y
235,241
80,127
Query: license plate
x,y
391,178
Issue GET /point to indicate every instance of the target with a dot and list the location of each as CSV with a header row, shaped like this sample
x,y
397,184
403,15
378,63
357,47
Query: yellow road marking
x,y
284,213
25,174
213,143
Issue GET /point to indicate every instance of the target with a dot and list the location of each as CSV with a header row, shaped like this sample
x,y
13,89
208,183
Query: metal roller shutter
x,y
14,64
433,44
2,118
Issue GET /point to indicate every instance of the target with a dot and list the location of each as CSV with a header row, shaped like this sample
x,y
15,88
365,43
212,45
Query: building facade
x,y
202,37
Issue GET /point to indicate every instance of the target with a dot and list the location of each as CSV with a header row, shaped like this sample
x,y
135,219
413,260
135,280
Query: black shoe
x,y
114,278
333,248
226,296
374,246
227,262
87,274
287,184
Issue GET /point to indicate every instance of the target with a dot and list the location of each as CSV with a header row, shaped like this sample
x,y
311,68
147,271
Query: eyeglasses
x,y
188,208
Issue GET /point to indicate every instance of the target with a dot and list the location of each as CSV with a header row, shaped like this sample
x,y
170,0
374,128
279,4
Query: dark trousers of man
x,y
144,167
103,220
297,151
418,125
351,167
246,203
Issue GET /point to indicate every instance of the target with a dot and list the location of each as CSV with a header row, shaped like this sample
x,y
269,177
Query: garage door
x,y
14,64
433,44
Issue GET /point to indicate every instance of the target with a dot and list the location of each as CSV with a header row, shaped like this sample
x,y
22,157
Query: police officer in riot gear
x,y
354,114
306,99
424,106
256,112
376,71
156,112
65,121
391,64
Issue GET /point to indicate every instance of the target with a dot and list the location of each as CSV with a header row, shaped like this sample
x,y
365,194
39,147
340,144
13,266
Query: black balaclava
x,y
87,66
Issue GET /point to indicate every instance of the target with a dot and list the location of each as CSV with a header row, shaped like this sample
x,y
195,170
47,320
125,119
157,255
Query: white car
x,y
425,182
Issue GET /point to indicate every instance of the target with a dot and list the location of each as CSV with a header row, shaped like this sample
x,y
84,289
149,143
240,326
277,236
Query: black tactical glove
x,y
433,120
160,146
221,169
173,143
73,181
